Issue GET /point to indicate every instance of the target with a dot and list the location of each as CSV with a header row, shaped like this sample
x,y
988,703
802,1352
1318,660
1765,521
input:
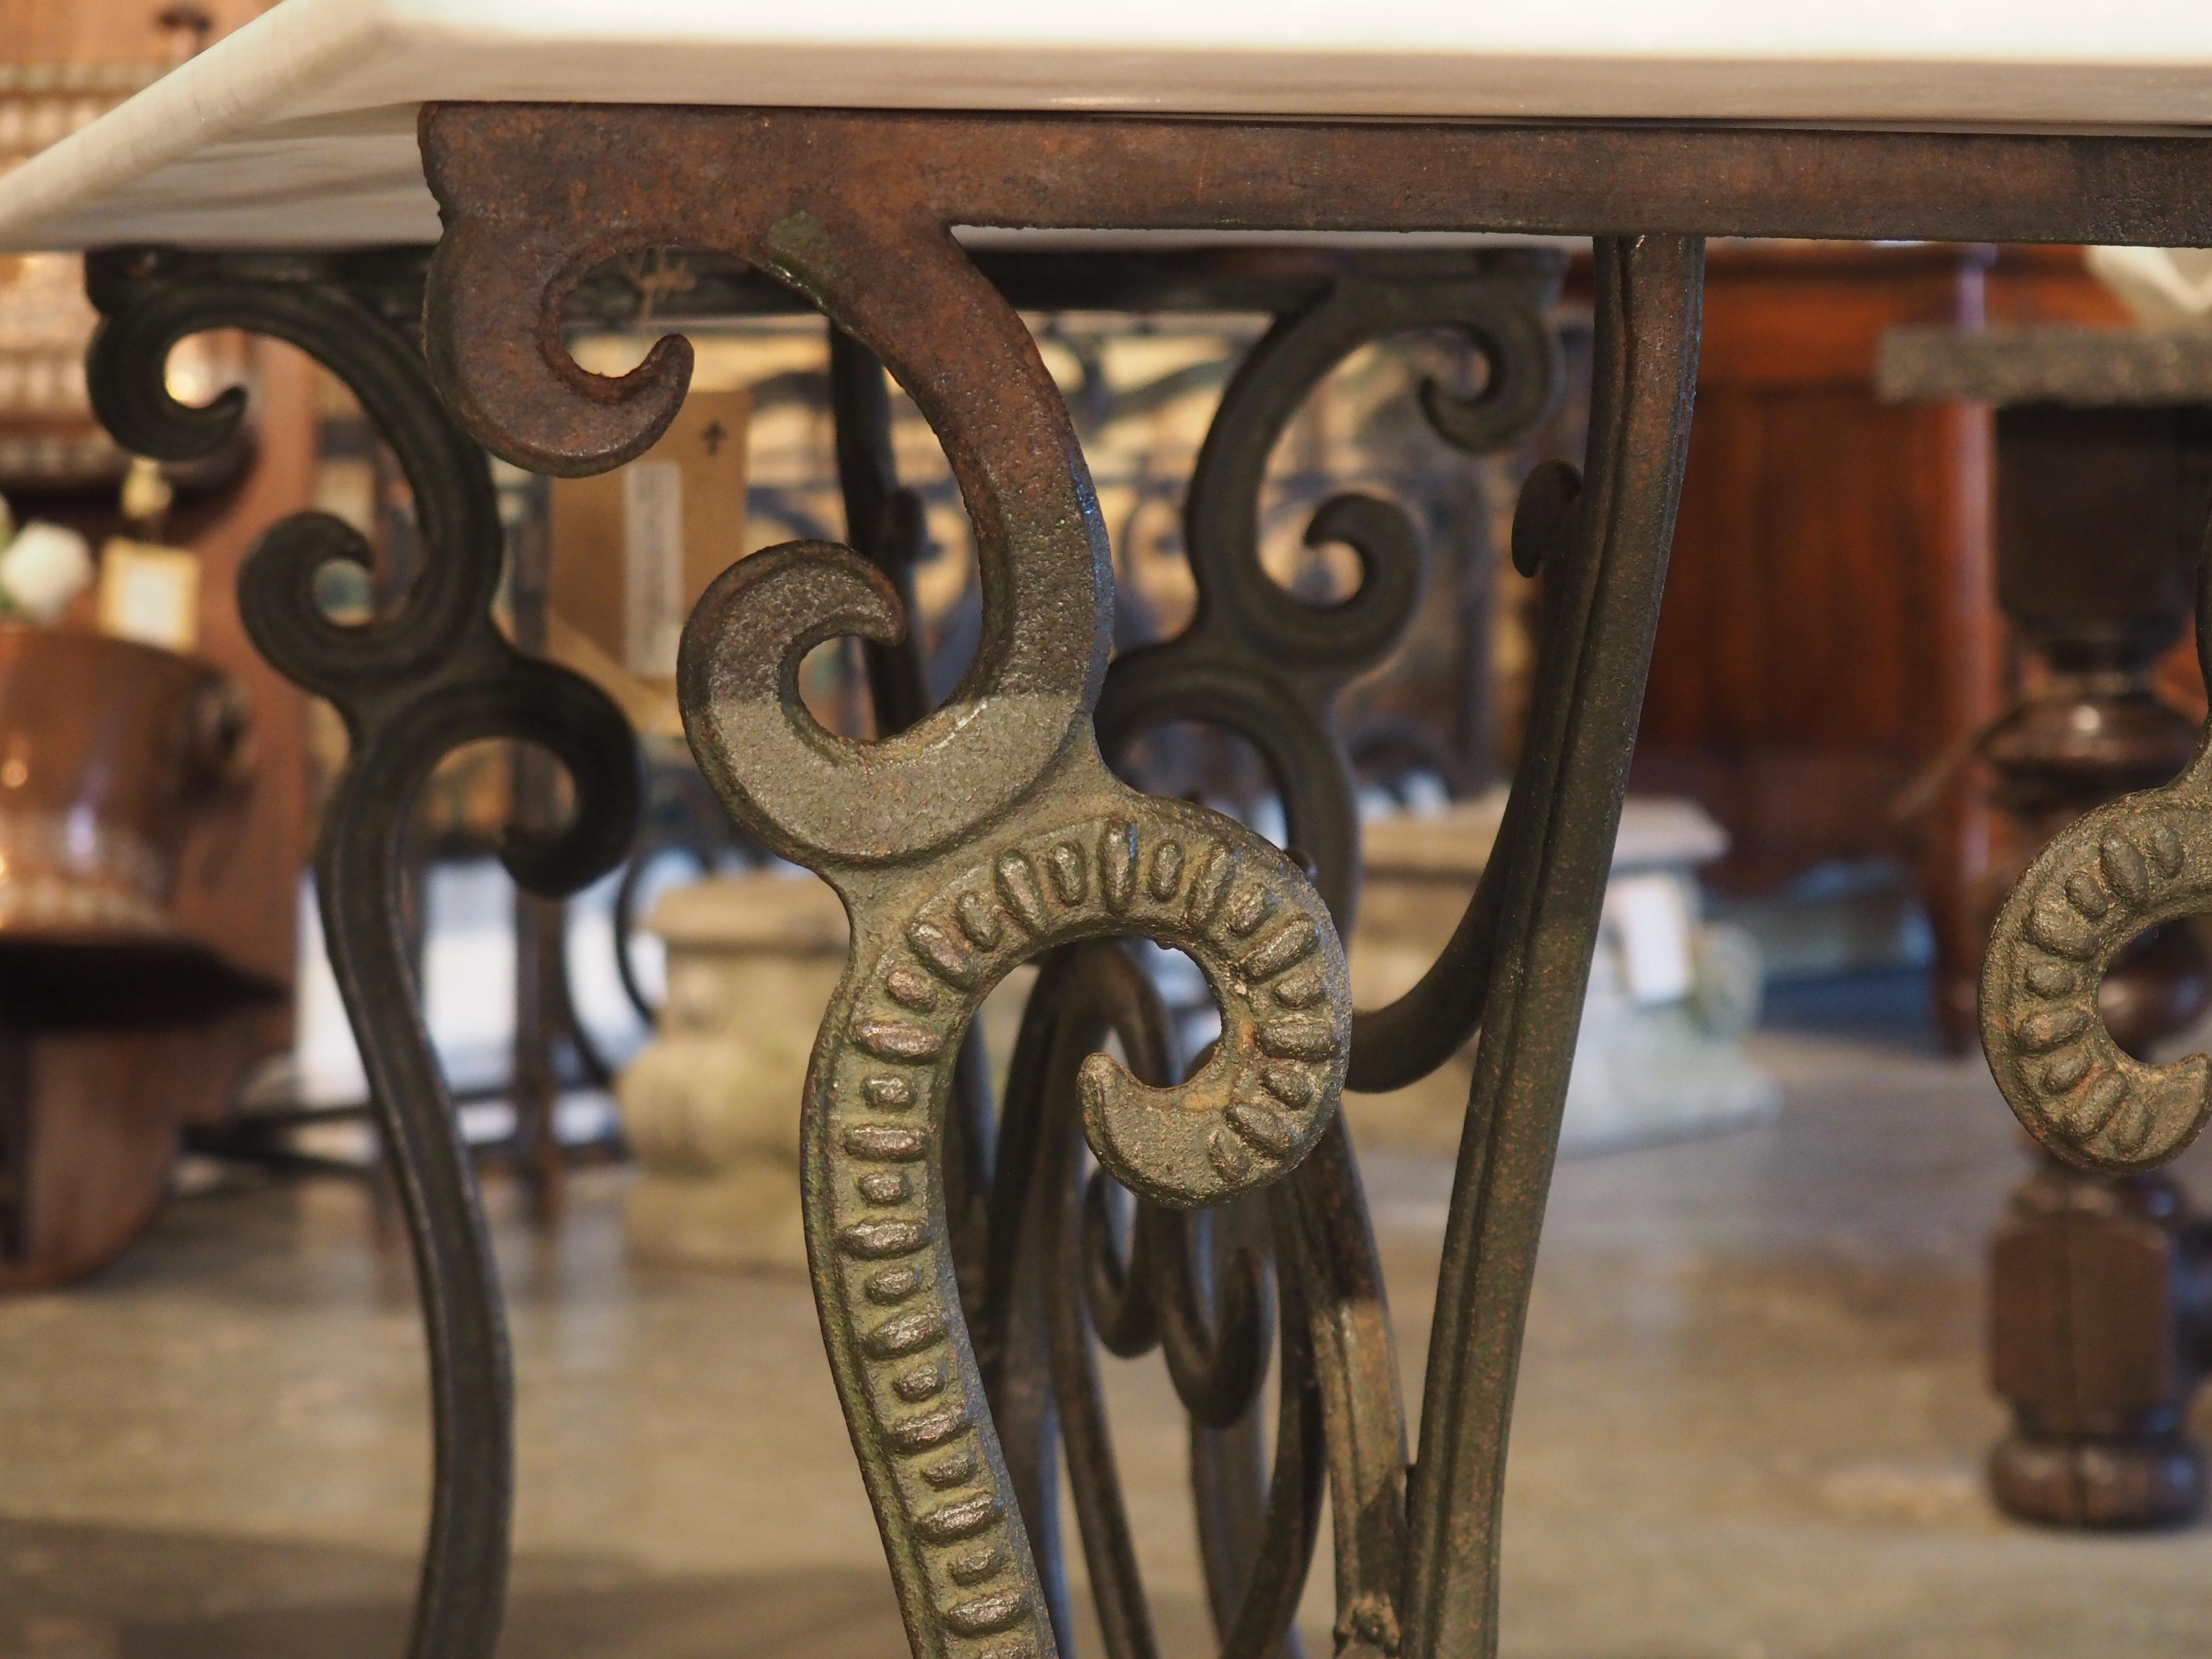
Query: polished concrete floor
x,y
1751,1417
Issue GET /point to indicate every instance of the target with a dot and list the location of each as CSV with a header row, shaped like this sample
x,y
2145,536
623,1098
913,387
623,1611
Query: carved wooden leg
x,y
411,685
2092,1286
2099,1338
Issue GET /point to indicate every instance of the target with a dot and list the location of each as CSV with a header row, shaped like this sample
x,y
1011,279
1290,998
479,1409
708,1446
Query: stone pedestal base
x,y
745,1218
711,1107
1659,1054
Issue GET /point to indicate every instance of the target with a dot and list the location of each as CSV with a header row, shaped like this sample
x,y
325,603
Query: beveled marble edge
x,y
296,129
2080,367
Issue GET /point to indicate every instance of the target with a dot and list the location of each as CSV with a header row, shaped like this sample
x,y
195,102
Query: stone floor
x,y
1750,1421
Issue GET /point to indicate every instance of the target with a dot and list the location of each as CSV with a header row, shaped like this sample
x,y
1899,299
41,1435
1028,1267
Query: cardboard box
x,y
633,548
150,594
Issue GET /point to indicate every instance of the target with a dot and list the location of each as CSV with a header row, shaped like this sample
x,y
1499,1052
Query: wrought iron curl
x,y
1213,1331
1502,319
149,301
1117,1290
411,685
1257,660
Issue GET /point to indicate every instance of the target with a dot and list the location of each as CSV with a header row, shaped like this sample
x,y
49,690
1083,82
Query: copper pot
x,y
106,746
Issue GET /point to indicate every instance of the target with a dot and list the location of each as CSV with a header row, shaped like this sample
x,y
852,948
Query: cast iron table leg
x,y
411,685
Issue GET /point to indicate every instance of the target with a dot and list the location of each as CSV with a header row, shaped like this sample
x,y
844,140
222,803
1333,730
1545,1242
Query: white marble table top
x,y
298,129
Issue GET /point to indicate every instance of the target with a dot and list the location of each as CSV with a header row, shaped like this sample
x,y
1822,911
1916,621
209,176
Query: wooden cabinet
x,y
1830,636
90,1116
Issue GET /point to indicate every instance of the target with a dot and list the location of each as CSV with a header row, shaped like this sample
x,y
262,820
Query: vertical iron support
x,y
1605,592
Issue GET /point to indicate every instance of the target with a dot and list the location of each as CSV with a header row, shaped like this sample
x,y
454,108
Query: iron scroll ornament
x,y
1255,659
1001,792
2133,864
411,685
1081,856
987,833
1050,1280
1063,1286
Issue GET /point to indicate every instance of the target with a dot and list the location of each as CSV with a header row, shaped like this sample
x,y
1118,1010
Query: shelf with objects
x,y
152,793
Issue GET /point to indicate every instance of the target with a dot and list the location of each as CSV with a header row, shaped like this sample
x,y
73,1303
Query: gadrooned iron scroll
x,y
2130,865
412,686
990,830
984,835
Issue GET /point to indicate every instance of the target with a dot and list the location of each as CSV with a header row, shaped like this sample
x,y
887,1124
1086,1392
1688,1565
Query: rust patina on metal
x,y
990,830
838,205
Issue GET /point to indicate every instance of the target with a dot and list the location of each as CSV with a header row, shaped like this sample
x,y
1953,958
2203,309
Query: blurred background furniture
x,y
2100,1327
93,1113
1659,1054
1830,644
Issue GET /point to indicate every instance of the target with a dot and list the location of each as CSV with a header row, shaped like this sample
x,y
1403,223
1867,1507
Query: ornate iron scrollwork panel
x,y
986,833
989,832
1263,663
1269,667
412,686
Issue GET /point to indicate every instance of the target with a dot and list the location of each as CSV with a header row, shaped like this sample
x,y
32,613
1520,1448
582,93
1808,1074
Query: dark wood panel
x,y
1829,629
1708,669
1841,561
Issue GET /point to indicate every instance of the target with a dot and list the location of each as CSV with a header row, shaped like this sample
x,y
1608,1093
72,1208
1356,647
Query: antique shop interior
x,y
1824,1357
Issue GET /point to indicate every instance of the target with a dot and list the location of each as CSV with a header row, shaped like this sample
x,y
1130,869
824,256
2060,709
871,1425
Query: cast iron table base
x,y
965,1267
